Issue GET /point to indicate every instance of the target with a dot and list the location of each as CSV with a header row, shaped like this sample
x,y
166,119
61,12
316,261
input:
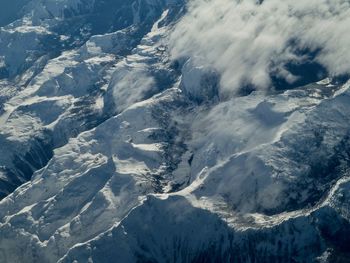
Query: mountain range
x,y
145,131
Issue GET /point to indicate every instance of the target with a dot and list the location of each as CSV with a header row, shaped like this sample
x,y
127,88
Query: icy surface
x,y
112,150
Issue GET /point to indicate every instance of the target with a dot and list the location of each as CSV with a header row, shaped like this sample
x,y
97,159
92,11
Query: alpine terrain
x,y
174,131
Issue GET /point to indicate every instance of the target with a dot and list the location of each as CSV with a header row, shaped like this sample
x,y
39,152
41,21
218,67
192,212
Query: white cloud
x,y
246,41
130,85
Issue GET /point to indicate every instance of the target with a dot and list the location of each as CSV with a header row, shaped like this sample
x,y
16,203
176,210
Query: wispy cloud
x,y
248,42
130,85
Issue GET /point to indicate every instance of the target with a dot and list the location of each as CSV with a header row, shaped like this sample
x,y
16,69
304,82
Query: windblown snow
x,y
174,131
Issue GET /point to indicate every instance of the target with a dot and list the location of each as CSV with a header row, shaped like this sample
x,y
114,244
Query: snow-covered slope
x,y
112,150
56,96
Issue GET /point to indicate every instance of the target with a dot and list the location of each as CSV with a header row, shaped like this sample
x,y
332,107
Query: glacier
x,y
112,149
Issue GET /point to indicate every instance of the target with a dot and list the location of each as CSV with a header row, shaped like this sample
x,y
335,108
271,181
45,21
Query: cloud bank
x,y
248,42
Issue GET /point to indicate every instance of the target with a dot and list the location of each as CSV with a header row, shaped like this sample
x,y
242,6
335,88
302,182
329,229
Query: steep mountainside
x,y
113,149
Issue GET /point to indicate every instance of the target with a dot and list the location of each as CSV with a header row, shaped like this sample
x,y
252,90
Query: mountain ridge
x,y
115,150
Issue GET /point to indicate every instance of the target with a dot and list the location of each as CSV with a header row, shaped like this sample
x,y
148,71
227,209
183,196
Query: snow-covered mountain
x,y
127,137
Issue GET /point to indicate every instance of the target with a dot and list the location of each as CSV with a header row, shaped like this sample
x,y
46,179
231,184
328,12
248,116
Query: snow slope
x,y
112,151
